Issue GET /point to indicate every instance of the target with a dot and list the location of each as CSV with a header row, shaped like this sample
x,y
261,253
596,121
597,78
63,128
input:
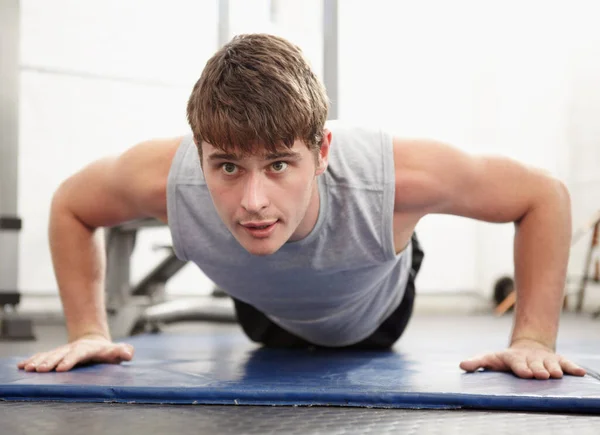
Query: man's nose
x,y
255,197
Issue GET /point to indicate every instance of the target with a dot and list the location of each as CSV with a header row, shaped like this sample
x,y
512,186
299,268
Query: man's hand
x,y
90,348
527,359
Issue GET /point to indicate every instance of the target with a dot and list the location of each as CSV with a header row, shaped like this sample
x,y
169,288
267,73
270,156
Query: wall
x,y
503,77
97,78
584,139
486,77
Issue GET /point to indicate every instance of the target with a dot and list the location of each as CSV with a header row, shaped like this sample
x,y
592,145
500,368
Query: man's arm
x,y
433,177
105,193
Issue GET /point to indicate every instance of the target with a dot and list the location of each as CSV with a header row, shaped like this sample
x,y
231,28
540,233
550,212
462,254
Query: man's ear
x,y
323,157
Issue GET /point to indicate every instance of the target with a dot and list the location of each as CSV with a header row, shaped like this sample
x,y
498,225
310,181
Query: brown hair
x,y
258,90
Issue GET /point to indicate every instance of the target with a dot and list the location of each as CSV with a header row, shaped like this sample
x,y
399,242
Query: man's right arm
x,y
105,193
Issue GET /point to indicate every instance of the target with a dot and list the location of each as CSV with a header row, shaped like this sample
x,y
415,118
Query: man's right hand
x,y
86,349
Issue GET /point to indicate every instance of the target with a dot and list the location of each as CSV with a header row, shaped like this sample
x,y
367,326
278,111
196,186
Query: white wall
x,y
517,78
584,136
487,77
98,77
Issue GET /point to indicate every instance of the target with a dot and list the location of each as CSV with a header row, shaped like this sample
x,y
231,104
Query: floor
x,y
51,418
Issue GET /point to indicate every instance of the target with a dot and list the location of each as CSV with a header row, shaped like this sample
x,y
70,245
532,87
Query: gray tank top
x,y
339,283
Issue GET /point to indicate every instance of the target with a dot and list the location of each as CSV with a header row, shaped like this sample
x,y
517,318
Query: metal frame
x,y
12,326
124,306
589,276
330,55
330,46
144,308
223,26
9,147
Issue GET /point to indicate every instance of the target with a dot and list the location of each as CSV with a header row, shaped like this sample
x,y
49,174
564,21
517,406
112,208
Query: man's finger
x,y
67,363
537,367
127,352
470,365
22,364
493,361
571,368
51,360
34,361
114,355
553,367
473,364
489,361
518,365
77,355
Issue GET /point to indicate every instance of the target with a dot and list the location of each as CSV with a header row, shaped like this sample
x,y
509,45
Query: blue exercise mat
x,y
228,369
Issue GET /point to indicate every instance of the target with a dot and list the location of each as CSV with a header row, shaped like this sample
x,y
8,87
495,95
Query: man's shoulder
x,y
360,155
185,165
350,126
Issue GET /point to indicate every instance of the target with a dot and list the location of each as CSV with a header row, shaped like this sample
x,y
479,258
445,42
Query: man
x,y
308,226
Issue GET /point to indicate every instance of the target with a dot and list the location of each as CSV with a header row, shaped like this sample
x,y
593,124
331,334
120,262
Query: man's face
x,y
266,200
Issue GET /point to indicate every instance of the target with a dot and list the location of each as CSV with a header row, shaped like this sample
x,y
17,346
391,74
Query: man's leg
x,y
260,329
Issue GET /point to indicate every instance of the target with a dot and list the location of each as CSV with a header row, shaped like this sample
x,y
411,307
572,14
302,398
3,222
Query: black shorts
x,y
261,329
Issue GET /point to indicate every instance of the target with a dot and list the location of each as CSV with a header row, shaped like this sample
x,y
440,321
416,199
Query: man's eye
x,y
279,166
229,168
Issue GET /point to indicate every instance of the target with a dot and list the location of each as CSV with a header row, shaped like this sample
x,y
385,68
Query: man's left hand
x,y
527,359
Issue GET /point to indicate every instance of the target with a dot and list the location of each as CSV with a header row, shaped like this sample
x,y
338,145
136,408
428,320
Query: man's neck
x,y
310,218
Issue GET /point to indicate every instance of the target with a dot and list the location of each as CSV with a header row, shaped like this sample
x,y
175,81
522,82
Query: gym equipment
x,y
505,284
330,55
12,325
225,368
503,287
594,243
142,308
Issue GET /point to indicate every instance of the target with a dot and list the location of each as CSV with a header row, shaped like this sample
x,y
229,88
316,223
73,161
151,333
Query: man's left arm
x,y
433,177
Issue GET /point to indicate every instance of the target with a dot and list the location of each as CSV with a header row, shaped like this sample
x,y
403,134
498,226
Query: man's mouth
x,y
259,224
260,229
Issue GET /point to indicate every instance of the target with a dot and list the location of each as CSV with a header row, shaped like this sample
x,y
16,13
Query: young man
x,y
308,226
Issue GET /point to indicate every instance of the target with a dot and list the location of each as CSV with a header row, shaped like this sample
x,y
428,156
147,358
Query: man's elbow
x,y
557,191
563,192
554,197
547,194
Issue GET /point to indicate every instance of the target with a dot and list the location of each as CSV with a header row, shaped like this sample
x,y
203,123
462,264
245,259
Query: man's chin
x,y
261,249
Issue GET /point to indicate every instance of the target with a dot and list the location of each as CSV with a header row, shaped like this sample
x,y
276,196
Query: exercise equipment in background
x,y
134,309
585,278
505,295
12,324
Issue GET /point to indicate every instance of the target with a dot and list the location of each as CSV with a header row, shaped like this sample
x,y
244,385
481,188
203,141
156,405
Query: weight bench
x,y
144,307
